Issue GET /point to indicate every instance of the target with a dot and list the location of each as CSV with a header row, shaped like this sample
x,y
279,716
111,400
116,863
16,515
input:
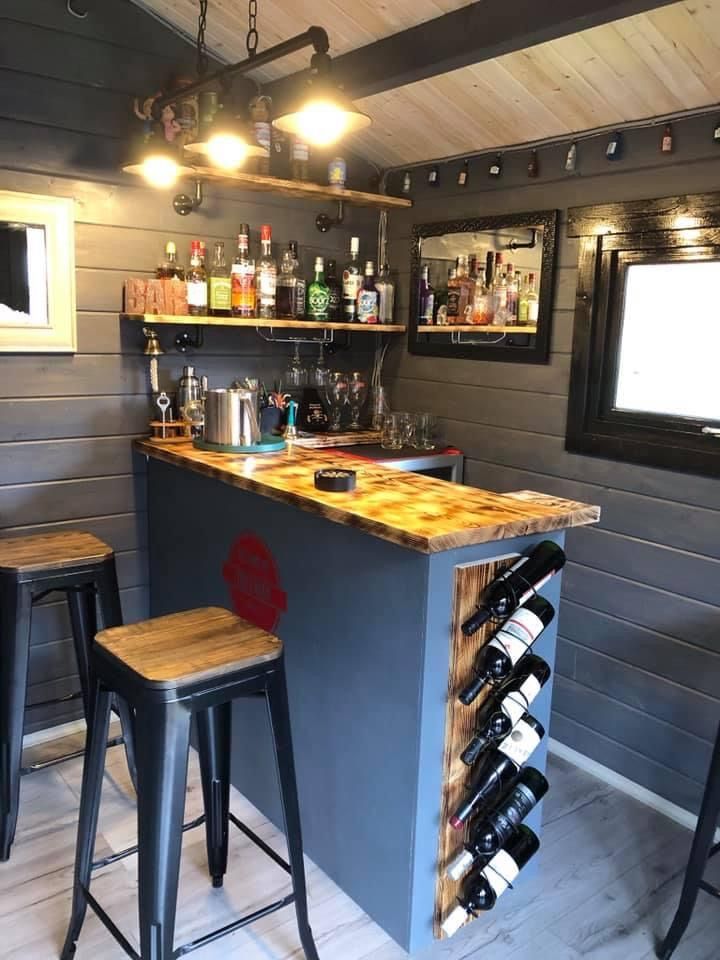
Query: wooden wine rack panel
x,y
470,581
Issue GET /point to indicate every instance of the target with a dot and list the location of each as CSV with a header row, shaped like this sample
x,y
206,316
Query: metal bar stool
x,y
83,567
701,851
168,669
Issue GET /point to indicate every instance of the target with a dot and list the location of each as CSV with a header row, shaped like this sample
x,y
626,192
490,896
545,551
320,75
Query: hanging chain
x,y
252,36
202,57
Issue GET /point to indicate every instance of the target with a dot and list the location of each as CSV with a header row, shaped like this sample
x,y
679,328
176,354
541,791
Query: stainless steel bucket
x,y
231,417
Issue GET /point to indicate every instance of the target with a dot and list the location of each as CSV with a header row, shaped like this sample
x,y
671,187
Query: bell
x,y
152,346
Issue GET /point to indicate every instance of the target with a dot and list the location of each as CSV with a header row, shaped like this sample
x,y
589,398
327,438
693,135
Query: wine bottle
x,y
483,887
497,658
516,585
500,769
507,707
492,832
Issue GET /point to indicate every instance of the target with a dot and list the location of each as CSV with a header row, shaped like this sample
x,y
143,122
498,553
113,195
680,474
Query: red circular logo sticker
x,y
252,577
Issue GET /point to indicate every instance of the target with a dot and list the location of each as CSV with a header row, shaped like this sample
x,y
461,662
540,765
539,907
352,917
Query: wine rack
x,y
460,722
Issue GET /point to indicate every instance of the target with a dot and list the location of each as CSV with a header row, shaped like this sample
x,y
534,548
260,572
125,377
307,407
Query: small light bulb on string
x,y
614,148
533,167
571,158
433,177
496,167
666,141
463,174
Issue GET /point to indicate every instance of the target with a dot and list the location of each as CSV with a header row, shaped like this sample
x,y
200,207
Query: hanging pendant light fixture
x,y
157,160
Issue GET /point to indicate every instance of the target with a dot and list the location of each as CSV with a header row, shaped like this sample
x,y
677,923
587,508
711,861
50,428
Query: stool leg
x,y
83,619
15,616
280,720
91,791
108,595
702,842
162,755
214,735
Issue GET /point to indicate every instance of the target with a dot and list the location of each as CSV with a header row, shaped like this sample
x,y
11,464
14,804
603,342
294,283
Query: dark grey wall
x,y
638,672
66,422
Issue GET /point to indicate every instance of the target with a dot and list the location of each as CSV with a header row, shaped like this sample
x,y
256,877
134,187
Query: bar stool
x,y
701,851
168,669
31,567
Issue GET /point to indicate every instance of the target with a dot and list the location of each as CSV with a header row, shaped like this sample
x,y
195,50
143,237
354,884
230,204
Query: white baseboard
x,y
670,810
53,733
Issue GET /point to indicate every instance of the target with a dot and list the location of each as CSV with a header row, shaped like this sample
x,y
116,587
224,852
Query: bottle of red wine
x,y
492,832
496,660
483,887
500,769
507,706
516,585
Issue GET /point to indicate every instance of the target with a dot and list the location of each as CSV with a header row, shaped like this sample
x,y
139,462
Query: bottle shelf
x,y
254,322
301,189
471,328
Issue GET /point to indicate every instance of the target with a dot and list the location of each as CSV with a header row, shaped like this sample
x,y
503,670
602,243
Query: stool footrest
x,y
259,842
713,850
44,764
129,851
235,925
709,888
110,926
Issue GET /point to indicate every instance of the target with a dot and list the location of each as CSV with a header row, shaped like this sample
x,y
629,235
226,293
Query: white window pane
x,y
670,340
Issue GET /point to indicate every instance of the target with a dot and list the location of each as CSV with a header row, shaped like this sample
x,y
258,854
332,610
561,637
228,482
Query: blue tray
x,y
268,444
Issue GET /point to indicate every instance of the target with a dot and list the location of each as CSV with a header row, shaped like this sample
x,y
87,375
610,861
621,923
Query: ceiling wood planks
x,y
648,64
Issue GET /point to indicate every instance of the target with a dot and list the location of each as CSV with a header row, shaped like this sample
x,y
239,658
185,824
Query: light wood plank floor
x,y
608,884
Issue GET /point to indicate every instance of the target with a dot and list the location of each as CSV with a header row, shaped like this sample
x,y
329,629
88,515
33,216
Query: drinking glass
x,y
357,395
336,392
406,423
319,372
296,375
425,427
391,434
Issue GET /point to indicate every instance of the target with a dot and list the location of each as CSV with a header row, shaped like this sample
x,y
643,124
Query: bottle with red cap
x,y
266,276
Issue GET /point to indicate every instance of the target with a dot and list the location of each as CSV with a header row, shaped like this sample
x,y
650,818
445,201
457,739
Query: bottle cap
x,y
355,245
331,265
293,248
319,264
454,920
369,268
195,245
460,865
170,248
266,232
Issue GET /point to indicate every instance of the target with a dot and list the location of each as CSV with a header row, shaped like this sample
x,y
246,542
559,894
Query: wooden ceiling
x,y
663,61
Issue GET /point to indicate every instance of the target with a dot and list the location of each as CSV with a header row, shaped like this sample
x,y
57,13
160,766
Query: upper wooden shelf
x,y
472,328
279,324
301,189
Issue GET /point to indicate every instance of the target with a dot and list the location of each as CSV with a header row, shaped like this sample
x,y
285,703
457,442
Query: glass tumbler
x,y
425,428
392,438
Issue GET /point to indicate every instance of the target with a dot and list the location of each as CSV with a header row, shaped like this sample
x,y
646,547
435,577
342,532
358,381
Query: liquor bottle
x,y
496,660
533,301
517,585
318,295
170,267
571,158
490,268
614,148
266,276
220,290
493,831
500,768
499,292
290,299
426,298
300,160
533,165
464,174
666,143
386,295
242,277
335,304
262,128
352,281
483,887
407,182
197,285
500,715
433,177
512,296
337,172
496,167
300,286
367,298
461,292
482,312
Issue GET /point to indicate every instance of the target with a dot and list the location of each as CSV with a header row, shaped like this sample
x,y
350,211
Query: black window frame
x,y
614,237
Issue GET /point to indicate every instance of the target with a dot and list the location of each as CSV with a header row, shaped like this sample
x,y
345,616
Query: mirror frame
x,y
56,214
540,352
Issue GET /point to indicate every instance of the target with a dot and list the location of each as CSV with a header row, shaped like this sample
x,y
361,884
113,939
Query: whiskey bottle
x,y
352,281
266,276
300,160
460,293
220,291
197,285
242,277
290,295
170,267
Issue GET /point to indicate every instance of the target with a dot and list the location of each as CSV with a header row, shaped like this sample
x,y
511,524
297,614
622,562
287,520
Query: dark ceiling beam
x,y
477,32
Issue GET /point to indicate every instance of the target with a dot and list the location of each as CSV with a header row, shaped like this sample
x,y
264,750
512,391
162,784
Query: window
x,y
646,351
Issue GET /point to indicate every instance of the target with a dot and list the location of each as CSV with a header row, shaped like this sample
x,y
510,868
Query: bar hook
x,y
78,14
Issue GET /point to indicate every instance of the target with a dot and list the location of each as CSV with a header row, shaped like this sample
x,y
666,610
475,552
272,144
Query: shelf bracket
x,y
457,340
324,223
328,336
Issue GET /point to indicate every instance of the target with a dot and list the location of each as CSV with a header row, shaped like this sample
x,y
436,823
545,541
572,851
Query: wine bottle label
x,y
460,865
518,634
520,743
267,285
517,806
454,920
533,311
367,306
197,294
318,300
220,293
515,704
500,872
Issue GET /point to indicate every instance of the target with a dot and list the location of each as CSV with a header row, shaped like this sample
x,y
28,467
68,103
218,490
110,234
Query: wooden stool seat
x,y
191,645
46,550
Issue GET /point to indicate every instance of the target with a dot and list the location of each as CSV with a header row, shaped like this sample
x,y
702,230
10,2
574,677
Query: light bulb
x,y
226,150
321,123
160,171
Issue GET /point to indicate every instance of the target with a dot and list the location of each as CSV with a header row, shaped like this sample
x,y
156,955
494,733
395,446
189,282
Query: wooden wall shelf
x,y
255,322
300,189
471,328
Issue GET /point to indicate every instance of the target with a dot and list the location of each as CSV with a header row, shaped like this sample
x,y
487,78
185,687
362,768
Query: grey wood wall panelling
x,y
66,422
639,654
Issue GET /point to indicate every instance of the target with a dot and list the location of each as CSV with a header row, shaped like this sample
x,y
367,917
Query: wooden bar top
x,y
417,512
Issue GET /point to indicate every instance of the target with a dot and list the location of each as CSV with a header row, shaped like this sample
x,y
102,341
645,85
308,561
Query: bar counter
x,y
367,591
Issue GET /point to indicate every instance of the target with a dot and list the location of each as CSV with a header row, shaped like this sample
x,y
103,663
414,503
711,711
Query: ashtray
x,y
335,480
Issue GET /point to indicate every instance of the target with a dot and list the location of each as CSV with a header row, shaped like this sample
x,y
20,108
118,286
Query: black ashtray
x,y
335,480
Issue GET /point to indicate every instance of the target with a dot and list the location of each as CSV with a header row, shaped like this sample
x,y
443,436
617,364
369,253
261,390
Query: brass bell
x,y
152,346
